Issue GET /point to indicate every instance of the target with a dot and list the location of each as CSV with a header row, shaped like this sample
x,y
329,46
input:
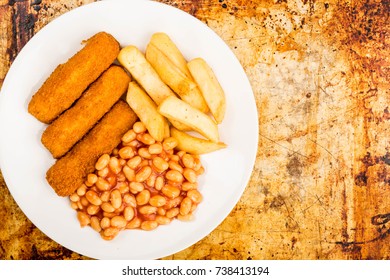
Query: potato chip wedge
x,y
164,43
195,145
170,74
209,86
146,110
135,62
176,109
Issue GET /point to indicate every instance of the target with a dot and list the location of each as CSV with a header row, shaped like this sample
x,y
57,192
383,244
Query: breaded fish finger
x,y
69,80
70,171
65,131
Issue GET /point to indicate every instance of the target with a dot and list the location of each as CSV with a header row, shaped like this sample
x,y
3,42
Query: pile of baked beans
x,y
141,185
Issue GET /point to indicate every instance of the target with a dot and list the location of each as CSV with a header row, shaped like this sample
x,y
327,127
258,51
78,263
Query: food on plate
x,y
182,85
209,86
129,165
142,184
69,80
70,171
165,44
65,131
141,70
146,110
194,145
178,110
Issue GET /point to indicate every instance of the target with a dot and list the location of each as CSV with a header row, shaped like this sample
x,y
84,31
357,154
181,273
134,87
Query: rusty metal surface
x,y
320,73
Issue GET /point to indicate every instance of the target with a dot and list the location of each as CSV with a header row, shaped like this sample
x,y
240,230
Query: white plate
x,y
24,161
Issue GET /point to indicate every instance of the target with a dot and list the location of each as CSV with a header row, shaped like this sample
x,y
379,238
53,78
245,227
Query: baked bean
x,y
114,165
185,206
84,201
185,218
126,152
186,186
74,205
155,149
188,161
74,197
170,191
107,238
111,231
143,174
134,223
151,180
149,225
102,184
160,164
105,222
143,197
123,188
105,196
195,196
200,171
95,224
104,172
173,165
82,190
102,162
79,205
128,213
190,175
122,161
115,152
118,222
162,220
193,207
181,153
109,215
116,199
169,143
129,199
93,209
91,179
107,207
157,201
129,173
144,152
147,210
197,164
136,187
174,175
120,209
83,218
144,162
175,158
139,127
171,203
93,198
171,213
112,180
133,143
146,138
134,162
161,211
129,136
159,184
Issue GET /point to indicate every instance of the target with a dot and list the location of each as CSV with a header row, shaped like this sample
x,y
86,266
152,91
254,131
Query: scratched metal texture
x,y
320,74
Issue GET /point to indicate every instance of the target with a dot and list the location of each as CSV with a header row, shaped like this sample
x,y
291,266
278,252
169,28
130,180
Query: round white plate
x,y
24,161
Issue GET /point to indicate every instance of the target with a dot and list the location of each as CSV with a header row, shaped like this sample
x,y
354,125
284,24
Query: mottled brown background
x,y
320,74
